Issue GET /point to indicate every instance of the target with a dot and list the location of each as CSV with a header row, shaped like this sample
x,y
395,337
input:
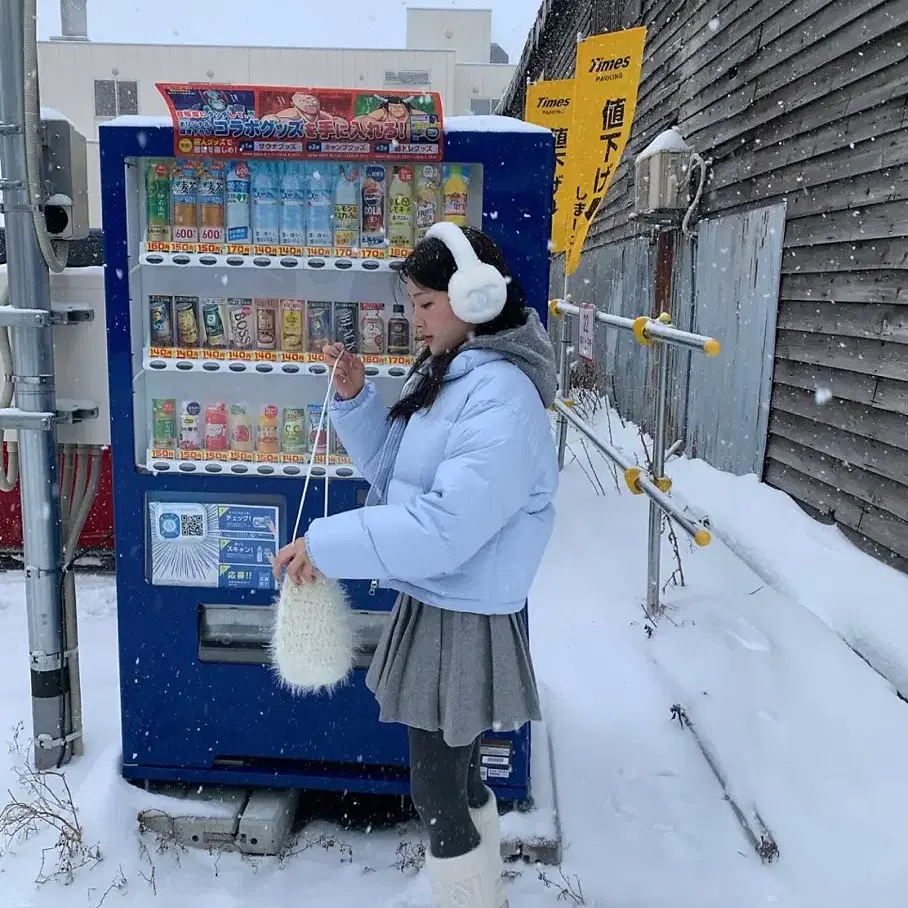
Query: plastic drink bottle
x,y
238,216
321,204
293,203
265,204
455,195
346,207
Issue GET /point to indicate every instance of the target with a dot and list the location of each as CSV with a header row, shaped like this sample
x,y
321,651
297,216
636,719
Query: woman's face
x,y
434,321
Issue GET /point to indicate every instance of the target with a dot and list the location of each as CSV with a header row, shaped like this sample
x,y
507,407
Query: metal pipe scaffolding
x,y
636,481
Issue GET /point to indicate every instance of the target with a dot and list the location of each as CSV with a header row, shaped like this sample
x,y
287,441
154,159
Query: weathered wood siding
x,y
804,101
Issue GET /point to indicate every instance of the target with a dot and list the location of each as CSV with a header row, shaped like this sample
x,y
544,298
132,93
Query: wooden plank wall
x,y
807,101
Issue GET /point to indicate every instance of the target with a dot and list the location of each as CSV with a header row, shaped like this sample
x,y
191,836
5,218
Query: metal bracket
x,y
7,185
46,742
70,412
59,314
47,662
9,129
24,421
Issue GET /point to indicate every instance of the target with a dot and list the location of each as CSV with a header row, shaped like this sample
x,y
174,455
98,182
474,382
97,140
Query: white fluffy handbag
x,y
312,644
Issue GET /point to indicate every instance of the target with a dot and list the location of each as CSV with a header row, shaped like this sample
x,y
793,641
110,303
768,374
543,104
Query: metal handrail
x,y
636,481
657,334
644,328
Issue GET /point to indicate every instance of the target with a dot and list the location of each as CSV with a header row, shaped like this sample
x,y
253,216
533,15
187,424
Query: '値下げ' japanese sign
x,y
548,104
604,100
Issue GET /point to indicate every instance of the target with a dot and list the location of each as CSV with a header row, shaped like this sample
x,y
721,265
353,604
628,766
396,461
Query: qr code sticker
x,y
192,525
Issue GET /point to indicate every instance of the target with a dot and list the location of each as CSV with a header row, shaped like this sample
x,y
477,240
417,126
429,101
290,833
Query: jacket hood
x,y
528,347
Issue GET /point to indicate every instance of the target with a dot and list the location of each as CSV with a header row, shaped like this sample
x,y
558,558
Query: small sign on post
x,y
587,331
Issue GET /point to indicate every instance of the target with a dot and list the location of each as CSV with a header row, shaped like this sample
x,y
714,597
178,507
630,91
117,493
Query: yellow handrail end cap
x,y
631,477
639,329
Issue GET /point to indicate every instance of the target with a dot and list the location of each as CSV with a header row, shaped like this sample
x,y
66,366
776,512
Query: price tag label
x,y
587,331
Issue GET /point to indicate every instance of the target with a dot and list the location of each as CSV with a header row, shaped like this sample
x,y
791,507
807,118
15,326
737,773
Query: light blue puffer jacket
x,y
469,505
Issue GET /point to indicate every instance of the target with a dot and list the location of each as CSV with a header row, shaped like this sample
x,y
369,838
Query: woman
x,y
463,473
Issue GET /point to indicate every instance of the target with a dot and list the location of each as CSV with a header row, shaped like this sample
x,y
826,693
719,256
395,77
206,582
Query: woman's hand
x,y
350,375
296,559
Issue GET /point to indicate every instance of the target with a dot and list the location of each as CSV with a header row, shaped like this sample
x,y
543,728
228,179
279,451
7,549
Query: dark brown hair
x,y
431,266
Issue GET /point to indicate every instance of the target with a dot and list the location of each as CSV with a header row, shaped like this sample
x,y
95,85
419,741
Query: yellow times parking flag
x,y
549,105
605,98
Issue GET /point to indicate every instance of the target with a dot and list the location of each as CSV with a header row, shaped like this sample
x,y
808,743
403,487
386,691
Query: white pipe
x,y
78,493
79,514
33,144
6,358
9,475
9,472
66,479
70,616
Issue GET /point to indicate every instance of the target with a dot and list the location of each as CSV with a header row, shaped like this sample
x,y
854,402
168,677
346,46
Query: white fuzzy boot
x,y
488,824
466,881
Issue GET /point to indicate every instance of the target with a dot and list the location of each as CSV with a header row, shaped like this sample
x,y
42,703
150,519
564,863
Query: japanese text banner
x,y
605,97
549,105
265,121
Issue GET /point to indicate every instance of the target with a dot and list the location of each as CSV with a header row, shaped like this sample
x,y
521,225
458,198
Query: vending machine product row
x,y
230,263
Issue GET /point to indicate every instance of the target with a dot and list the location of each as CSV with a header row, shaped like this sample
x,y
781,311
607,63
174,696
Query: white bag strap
x,y
321,421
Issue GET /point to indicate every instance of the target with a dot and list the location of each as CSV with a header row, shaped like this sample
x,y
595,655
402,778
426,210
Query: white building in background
x,y
447,50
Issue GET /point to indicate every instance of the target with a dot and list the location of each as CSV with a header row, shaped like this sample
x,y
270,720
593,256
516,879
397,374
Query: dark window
x,y
113,97
105,98
127,98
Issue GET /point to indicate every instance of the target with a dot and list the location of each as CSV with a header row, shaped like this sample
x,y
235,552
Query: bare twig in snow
x,y
120,883
410,856
568,890
302,843
44,802
151,876
677,575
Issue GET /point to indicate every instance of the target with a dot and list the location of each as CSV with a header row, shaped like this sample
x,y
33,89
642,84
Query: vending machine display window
x,y
242,270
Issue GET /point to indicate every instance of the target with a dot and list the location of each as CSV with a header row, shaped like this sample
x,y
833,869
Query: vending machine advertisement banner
x,y
549,104
236,121
605,92
226,546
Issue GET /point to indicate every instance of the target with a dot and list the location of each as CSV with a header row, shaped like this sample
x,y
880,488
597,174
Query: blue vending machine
x,y
241,234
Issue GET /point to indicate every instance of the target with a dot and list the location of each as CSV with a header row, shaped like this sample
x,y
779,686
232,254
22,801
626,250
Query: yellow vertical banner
x,y
549,104
605,98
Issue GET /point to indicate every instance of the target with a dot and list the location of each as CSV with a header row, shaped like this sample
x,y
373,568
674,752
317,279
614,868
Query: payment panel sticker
x,y
226,546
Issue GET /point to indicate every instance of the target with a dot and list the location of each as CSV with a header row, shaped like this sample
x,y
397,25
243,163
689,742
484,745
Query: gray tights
x,y
444,784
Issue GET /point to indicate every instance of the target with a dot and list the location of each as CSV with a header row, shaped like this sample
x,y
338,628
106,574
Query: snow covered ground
x,y
805,732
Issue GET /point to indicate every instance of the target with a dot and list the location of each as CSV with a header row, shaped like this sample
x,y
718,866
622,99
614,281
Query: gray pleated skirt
x,y
455,672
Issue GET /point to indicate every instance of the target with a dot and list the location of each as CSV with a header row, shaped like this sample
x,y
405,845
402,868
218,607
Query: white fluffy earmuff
x,y
477,291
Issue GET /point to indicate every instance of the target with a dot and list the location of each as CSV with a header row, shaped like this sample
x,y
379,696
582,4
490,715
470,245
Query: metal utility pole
x,y
34,415
662,286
